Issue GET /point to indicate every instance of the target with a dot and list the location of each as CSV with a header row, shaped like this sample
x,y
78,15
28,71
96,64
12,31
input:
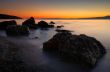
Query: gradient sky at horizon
x,y
55,8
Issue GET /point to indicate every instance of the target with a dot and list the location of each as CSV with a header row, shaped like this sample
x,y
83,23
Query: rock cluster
x,y
5,24
17,30
31,24
13,29
80,48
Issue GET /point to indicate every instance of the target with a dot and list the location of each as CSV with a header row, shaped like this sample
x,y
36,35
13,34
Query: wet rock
x,y
80,48
34,38
60,26
60,30
43,24
4,24
17,30
52,22
30,23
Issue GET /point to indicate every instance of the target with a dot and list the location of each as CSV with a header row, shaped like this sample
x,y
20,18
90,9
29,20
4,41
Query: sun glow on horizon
x,y
57,9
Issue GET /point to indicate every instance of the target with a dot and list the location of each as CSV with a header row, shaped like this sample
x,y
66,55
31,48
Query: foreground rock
x,y
30,23
5,24
9,58
17,30
80,48
43,24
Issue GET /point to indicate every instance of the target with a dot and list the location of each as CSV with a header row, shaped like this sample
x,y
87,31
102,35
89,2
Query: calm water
x,y
31,49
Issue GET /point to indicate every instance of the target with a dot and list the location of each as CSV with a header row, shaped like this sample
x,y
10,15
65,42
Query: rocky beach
x,y
45,46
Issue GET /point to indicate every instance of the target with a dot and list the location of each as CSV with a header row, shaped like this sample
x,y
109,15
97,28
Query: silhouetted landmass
x,y
104,17
5,16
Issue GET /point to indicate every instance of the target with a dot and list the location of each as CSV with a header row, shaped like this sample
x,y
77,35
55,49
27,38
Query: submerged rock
x,y
80,48
30,23
5,24
60,30
60,26
17,30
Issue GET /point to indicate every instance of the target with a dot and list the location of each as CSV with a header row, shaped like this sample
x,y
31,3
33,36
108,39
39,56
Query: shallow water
x,y
31,49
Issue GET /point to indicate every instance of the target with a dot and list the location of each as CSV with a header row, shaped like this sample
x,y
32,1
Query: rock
x,y
4,24
80,48
17,30
9,58
59,30
30,23
52,22
43,24
34,38
50,26
60,26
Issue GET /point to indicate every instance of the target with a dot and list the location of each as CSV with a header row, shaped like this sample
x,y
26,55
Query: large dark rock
x,y
30,23
5,24
17,30
43,24
80,48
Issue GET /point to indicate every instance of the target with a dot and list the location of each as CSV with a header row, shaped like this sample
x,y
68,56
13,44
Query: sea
x,y
32,54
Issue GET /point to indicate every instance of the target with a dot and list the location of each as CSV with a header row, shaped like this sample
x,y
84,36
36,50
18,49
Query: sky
x,y
55,8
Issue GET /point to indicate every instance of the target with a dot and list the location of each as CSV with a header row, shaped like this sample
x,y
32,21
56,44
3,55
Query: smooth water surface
x,y
31,48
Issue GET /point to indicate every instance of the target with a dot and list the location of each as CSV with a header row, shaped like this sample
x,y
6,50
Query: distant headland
x,y
6,16
101,17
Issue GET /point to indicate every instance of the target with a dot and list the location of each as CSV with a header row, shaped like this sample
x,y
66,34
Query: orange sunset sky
x,y
55,9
